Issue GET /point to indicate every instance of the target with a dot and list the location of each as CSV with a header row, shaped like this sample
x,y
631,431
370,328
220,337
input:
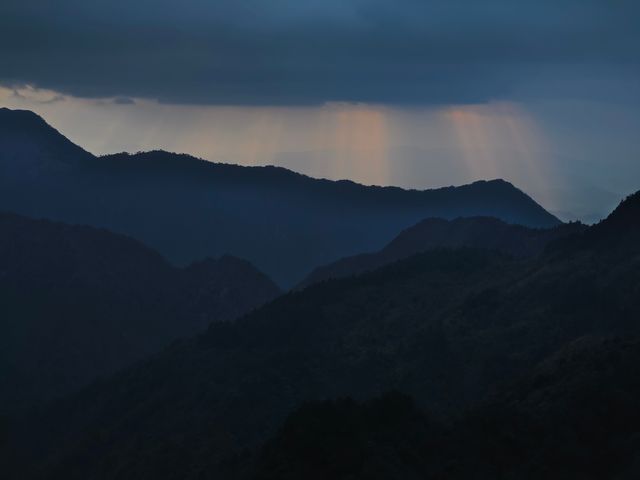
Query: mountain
x,y
621,228
79,302
469,334
474,232
187,209
573,417
31,148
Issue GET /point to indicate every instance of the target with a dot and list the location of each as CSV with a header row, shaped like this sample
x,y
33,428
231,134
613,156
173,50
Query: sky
x,y
414,93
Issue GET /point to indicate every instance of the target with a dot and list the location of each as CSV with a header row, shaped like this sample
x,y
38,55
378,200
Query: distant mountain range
x,y
284,223
539,352
474,232
79,302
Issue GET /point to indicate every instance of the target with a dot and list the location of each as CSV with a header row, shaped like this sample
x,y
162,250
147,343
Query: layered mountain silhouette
x,y
284,223
79,302
515,347
474,232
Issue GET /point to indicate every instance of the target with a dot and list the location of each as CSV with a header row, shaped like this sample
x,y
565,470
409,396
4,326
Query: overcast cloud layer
x,y
290,52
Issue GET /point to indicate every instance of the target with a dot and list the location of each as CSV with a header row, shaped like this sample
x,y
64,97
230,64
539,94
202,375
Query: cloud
x,y
36,96
301,52
124,101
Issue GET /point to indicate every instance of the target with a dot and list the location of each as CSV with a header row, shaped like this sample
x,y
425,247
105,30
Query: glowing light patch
x,y
500,140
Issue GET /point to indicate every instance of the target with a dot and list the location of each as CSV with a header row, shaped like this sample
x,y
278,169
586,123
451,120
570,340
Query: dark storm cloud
x,y
306,52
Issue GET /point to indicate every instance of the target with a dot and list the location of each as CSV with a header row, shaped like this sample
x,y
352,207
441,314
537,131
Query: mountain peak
x,y
627,214
496,181
25,131
619,231
21,120
622,224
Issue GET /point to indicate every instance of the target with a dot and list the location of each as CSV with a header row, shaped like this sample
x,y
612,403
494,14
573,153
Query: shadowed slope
x,y
78,302
475,232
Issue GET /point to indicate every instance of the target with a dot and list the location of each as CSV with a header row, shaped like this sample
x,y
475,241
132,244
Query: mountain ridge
x,y
475,232
285,223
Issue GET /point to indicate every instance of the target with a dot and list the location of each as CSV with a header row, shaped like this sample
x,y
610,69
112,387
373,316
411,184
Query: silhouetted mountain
x,y
622,226
459,330
78,302
475,232
31,146
574,417
283,222
619,231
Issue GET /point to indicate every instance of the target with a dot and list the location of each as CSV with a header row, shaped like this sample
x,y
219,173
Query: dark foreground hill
x,y
284,223
78,302
574,417
473,232
458,330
